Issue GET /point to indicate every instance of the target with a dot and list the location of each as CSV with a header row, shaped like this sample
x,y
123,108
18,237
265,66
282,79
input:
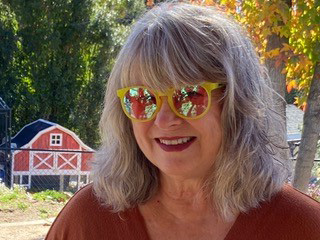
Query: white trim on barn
x,y
62,172
54,169
56,139
42,120
28,185
46,163
76,138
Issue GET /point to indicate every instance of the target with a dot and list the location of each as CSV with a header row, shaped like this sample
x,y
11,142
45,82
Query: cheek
x,y
212,125
141,131
137,131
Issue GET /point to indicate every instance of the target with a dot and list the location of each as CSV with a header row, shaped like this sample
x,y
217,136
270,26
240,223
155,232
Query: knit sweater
x,y
289,215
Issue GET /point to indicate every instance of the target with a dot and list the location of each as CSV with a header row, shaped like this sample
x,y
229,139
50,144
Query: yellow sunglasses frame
x,y
208,86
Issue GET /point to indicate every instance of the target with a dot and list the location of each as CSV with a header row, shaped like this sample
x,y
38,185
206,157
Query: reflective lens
x,y
190,101
140,103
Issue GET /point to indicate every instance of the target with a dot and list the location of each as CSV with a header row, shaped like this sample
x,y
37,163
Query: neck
x,y
184,199
181,190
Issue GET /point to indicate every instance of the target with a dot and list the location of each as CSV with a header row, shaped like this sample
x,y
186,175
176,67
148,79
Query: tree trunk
x,y
310,134
278,81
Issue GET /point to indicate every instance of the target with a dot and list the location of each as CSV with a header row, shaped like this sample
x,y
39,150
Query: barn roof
x,y
29,131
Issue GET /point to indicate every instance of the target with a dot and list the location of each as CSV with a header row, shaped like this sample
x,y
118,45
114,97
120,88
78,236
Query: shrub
x,y
51,195
8,195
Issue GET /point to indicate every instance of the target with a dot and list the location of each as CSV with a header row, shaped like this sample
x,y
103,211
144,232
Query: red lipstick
x,y
174,148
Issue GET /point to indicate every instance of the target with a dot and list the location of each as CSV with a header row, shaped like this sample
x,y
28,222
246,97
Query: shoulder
x,y
295,213
291,202
289,215
85,204
85,217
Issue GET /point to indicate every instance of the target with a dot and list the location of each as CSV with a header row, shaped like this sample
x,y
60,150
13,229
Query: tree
x,y
291,34
50,62
267,23
9,53
306,40
61,55
287,37
110,24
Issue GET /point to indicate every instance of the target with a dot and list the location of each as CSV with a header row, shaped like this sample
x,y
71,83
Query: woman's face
x,y
160,140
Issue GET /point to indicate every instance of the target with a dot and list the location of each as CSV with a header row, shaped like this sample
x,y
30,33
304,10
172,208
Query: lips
x,y
175,144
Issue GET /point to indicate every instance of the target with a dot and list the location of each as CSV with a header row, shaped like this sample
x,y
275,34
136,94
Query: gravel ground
x,y
26,232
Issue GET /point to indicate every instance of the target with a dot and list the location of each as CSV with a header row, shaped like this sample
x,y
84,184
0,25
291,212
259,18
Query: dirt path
x,y
27,232
28,224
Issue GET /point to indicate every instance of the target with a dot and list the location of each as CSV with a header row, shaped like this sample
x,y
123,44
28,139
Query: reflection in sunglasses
x,y
191,102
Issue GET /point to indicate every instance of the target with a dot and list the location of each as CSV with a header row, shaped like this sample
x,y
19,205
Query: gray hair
x,y
175,44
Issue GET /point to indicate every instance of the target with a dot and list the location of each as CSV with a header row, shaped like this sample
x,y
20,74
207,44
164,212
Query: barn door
x,y
46,163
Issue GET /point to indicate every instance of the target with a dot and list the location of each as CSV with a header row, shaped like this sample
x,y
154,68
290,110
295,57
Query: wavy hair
x,y
175,44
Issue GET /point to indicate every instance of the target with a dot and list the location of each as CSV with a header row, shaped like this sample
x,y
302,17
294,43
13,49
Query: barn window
x,y
25,179
83,179
55,139
16,179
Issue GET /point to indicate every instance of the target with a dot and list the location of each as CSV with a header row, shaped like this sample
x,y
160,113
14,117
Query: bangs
x,y
165,56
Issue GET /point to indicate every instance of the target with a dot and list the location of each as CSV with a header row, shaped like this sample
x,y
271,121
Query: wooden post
x,y
78,182
61,183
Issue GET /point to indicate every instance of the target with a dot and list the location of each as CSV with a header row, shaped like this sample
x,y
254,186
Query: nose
x,y
166,118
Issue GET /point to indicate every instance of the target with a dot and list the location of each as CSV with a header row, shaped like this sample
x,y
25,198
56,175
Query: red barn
x,y
55,157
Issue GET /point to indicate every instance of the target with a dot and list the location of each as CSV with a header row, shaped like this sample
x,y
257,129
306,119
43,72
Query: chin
x,y
176,167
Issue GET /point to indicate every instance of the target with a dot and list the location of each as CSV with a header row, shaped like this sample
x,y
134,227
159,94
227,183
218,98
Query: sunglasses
x,y
142,104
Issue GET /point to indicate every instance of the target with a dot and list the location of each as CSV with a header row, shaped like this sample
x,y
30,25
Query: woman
x,y
187,151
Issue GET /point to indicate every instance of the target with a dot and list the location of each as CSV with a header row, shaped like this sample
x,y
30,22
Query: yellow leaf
x,y
291,85
273,53
209,2
302,85
286,47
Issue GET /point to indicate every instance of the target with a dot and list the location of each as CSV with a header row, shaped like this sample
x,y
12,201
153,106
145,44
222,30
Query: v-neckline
x,y
230,235
243,220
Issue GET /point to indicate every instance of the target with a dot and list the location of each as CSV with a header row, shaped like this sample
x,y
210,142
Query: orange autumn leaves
x,y
298,22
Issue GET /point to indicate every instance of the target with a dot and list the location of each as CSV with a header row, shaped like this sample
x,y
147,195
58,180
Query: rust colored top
x,y
289,215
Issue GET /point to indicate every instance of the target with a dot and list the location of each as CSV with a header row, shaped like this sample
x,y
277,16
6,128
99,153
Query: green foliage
x,y
44,203
51,195
8,195
22,206
11,199
55,57
44,213
9,52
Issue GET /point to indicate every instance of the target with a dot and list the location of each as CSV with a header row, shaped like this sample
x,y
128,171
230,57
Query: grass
x,y
22,206
19,199
12,199
7,195
51,195
44,213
